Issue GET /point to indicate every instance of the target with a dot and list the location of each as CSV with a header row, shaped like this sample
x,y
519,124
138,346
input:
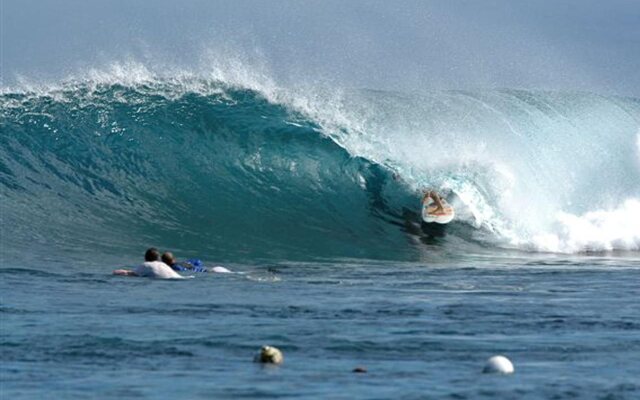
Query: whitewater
x,y
310,194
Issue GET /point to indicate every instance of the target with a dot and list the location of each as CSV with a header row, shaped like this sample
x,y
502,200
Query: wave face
x,y
231,172
225,174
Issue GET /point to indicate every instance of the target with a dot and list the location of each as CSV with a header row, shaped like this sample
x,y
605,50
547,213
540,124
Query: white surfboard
x,y
440,219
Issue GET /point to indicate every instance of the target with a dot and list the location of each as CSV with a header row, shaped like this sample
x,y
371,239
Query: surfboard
x,y
440,219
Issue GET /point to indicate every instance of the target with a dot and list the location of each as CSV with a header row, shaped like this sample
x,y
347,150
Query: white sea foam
x,y
638,146
602,230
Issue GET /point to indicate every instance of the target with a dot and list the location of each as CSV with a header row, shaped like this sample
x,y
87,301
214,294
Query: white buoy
x,y
498,365
269,355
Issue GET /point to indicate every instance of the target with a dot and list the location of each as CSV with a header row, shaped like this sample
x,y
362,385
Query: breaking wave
x,y
226,168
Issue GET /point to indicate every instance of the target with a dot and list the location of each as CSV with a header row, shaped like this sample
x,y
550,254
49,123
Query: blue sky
x,y
405,45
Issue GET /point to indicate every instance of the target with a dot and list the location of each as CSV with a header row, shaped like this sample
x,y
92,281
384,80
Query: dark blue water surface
x,y
571,326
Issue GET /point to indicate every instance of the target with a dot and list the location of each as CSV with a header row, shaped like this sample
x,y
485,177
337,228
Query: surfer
x,y
436,213
438,208
151,268
189,265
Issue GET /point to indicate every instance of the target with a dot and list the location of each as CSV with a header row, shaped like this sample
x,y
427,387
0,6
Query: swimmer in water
x,y
151,268
170,260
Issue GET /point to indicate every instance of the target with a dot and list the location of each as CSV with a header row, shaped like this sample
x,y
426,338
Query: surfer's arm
x,y
427,194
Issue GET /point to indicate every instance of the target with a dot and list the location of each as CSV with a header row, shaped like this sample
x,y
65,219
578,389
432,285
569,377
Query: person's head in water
x,y
168,258
152,254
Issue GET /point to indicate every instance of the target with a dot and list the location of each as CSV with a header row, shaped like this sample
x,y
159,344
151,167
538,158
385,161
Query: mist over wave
x,y
517,162
230,165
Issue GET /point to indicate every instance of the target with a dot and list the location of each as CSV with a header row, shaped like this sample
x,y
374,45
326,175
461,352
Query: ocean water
x,y
569,325
312,197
